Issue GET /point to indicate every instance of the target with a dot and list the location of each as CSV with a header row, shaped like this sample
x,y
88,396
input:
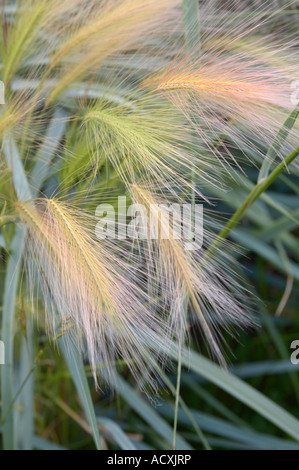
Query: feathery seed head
x,y
93,284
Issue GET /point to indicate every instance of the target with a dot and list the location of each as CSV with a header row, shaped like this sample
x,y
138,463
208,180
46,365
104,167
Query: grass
x,y
116,345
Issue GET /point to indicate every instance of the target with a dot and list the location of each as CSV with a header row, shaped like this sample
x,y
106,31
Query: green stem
x,y
254,194
188,413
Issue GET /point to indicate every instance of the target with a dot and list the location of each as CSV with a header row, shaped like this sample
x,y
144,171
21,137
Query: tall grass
x,y
164,103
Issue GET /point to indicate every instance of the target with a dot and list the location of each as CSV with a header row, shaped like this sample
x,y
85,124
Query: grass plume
x,y
106,306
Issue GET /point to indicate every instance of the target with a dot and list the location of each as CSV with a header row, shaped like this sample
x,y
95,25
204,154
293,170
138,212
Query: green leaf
x,y
76,367
10,291
42,444
277,144
25,412
263,368
192,24
15,164
47,151
264,250
117,434
240,390
220,427
149,415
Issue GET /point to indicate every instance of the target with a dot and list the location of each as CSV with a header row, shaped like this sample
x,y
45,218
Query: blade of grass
x,y
15,164
173,390
238,389
251,198
242,391
25,412
220,427
277,144
10,292
45,154
76,367
117,434
42,444
212,401
244,238
149,415
280,346
263,368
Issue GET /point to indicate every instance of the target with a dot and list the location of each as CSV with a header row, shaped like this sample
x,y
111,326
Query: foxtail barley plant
x,y
163,102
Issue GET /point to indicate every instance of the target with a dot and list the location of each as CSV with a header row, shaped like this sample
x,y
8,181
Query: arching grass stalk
x,y
254,194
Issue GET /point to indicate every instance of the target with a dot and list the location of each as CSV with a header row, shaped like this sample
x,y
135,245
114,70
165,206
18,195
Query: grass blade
x,y
117,434
242,391
277,144
76,367
10,292
144,410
